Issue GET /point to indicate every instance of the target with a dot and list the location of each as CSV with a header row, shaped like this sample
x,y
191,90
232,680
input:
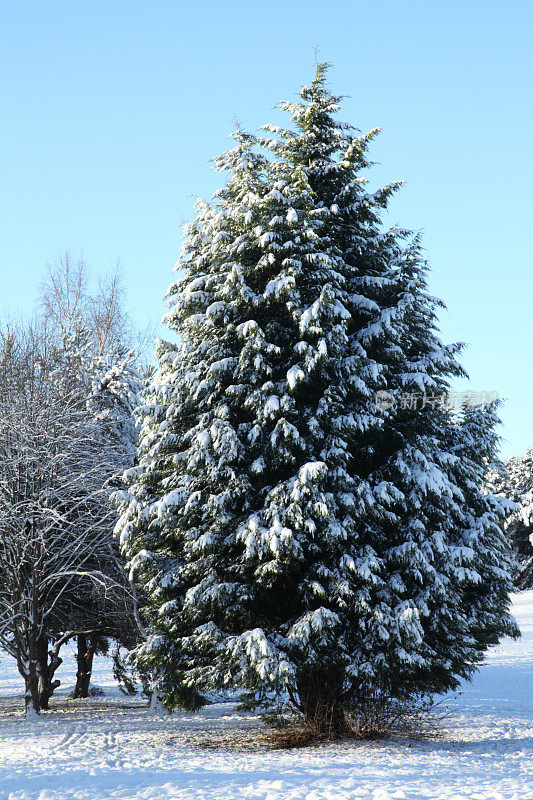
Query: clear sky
x,y
111,112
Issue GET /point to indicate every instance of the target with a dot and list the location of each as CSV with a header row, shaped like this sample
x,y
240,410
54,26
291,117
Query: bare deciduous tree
x,y
69,297
59,461
64,293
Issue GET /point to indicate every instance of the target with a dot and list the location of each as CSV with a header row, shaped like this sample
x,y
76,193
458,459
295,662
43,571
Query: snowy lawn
x,y
112,748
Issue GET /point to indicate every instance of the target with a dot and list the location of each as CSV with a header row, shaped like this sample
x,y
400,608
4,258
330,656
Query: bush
x,y
380,716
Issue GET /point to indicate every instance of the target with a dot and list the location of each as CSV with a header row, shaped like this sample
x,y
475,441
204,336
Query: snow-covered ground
x,y
112,748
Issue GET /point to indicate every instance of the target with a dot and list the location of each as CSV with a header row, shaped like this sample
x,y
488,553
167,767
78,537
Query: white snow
x,y
111,747
294,376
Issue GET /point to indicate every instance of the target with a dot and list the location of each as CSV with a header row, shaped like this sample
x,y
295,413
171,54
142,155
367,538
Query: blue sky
x,y
112,111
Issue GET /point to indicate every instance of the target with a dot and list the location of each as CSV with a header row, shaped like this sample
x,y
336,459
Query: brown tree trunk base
x,y
320,701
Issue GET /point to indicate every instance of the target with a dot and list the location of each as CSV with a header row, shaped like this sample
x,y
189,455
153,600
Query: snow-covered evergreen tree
x,y
115,388
514,481
291,533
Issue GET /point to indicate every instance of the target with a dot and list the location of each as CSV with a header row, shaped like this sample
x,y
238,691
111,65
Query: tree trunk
x,y
28,670
84,658
43,673
320,697
47,663
32,698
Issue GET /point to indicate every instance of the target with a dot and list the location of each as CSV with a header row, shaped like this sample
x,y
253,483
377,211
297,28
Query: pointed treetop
x,y
318,86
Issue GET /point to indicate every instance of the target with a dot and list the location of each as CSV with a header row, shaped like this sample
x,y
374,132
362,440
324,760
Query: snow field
x,y
112,748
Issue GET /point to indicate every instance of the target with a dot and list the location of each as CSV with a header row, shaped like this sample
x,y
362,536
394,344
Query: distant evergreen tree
x,y
514,481
294,530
